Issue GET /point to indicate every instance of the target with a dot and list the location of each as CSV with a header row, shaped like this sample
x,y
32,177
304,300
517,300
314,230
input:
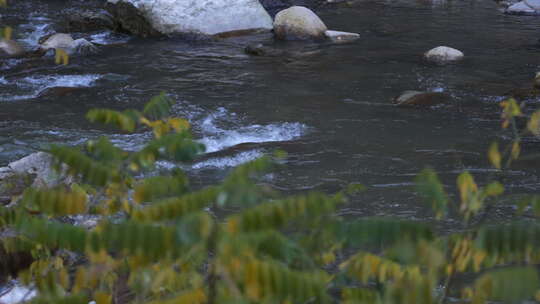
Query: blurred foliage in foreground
x,y
160,241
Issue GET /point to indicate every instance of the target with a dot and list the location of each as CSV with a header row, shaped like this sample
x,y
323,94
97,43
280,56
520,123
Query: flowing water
x,y
327,105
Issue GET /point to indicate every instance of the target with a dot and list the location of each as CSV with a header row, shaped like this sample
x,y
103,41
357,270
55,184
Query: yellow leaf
x,y
494,189
534,123
178,124
516,149
494,155
467,187
478,258
102,298
61,57
8,31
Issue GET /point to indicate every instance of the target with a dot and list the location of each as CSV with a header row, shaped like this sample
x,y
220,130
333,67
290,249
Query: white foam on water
x,y
37,31
51,81
36,84
217,138
3,80
108,37
17,294
226,162
9,63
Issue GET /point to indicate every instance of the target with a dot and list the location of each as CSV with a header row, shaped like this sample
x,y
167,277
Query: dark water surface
x,y
329,106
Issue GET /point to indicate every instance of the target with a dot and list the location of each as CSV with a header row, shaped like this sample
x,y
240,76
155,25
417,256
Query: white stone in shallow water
x,y
520,8
442,54
298,23
209,17
67,43
337,36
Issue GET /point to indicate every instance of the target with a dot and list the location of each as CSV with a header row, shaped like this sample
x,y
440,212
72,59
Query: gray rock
x,y
299,23
10,48
536,82
526,7
59,40
68,44
419,98
339,37
535,4
205,17
274,6
39,166
443,54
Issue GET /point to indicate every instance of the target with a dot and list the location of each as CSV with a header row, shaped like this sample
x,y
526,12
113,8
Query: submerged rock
x,y
526,7
268,51
205,17
55,92
419,98
338,37
10,48
443,54
68,44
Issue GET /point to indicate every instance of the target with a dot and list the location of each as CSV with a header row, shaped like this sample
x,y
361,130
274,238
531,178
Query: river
x,y
328,105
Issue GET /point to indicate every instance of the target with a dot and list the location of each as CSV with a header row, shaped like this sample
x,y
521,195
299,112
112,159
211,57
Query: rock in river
x,y
37,167
299,23
205,17
443,54
67,43
10,48
339,37
418,98
274,6
88,20
526,7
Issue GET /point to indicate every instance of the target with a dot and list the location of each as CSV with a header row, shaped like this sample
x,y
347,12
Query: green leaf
x,y
431,189
124,121
158,107
509,285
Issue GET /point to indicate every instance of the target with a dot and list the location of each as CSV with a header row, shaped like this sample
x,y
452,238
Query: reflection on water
x,y
328,106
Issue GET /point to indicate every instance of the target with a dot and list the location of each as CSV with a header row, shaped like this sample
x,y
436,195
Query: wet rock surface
x,y
128,19
88,20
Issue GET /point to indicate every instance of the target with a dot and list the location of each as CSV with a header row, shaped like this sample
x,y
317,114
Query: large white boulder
x,y
443,54
299,23
207,17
